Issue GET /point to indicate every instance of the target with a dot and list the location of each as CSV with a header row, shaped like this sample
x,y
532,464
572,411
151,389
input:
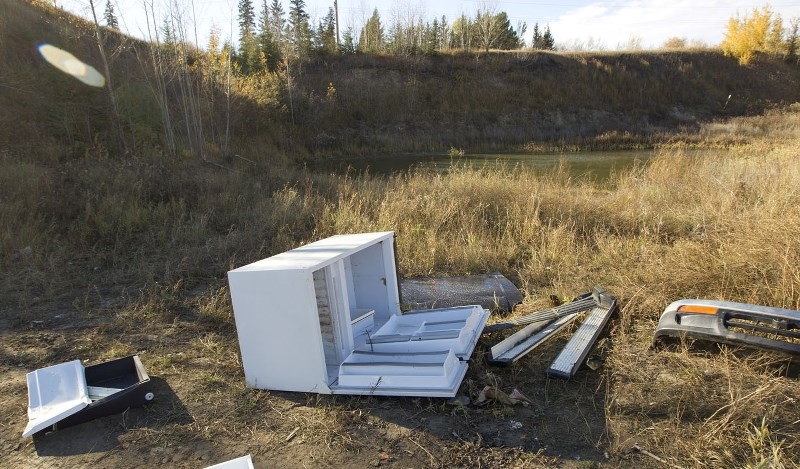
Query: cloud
x,y
653,21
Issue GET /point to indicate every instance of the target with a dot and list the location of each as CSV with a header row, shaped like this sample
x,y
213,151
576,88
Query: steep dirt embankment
x,y
516,98
39,106
367,104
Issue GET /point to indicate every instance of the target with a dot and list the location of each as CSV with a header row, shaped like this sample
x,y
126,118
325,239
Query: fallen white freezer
x,y
326,318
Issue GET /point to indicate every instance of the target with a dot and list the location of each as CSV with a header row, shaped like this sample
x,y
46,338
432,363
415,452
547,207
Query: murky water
x,y
597,165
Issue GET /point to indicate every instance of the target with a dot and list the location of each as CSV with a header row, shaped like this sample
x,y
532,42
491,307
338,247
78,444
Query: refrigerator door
x,y
423,353
54,393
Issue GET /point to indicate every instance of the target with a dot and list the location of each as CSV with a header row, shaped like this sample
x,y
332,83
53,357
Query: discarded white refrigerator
x,y
326,318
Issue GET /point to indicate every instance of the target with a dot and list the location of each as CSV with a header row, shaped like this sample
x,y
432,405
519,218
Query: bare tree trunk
x,y
228,105
289,87
111,97
336,8
160,90
191,108
199,116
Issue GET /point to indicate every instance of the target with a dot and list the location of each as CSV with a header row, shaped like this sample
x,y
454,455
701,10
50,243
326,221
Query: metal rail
x,y
577,349
576,306
520,344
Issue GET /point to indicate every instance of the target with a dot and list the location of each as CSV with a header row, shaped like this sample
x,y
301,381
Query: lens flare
x,y
71,65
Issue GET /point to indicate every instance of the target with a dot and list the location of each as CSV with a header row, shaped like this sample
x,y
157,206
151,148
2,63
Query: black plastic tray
x,y
127,374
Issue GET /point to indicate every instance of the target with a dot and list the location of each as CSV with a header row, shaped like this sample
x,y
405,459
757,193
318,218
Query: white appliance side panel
x,y
343,310
320,253
368,280
392,282
348,280
375,281
279,330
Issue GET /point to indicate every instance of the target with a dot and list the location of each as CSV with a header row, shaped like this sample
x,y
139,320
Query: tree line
x,y
270,36
273,34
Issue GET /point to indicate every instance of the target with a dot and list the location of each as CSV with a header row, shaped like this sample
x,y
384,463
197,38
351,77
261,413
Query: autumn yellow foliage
x,y
762,32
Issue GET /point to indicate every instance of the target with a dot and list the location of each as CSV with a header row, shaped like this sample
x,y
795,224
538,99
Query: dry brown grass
x,y
115,246
537,100
719,226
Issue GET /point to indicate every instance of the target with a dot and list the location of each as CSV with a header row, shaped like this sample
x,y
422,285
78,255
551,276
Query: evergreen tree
x,y
548,42
278,28
325,39
167,34
444,35
395,42
247,20
299,27
371,39
430,41
791,42
263,20
277,22
110,17
537,37
507,37
249,56
348,42
267,41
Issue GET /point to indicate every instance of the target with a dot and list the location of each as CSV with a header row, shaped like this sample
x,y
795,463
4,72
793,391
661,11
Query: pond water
x,y
594,164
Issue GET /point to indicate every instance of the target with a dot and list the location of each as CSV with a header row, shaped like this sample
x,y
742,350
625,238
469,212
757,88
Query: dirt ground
x,y
203,413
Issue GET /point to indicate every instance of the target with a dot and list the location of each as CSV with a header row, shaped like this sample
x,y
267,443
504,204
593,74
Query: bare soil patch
x,y
203,413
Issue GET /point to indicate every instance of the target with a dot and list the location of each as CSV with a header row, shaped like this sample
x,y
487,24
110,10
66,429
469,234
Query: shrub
x,y
745,37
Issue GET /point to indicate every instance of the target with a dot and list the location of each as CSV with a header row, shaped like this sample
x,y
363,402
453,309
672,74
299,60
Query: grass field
x,y
130,256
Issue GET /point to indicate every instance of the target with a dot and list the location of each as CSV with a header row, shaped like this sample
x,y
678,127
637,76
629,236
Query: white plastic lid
x,y
54,393
239,463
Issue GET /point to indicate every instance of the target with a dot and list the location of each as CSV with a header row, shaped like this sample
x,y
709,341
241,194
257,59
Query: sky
x,y
611,24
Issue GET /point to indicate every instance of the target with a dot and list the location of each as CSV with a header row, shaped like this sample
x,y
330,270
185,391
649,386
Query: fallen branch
x,y
292,435
220,166
661,460
434,458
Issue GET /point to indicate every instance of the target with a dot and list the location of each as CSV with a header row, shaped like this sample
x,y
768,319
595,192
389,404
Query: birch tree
x,y
111,96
